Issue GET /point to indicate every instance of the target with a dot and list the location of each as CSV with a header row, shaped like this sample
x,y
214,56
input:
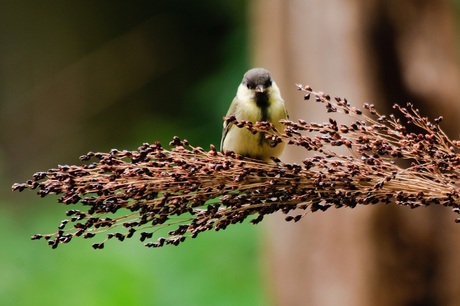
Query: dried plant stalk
x,y
188,190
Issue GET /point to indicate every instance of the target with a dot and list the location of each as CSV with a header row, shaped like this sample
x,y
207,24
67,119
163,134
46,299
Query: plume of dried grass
x,y
187,190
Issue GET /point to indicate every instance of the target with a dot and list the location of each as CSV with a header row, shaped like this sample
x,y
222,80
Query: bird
x,y
258,98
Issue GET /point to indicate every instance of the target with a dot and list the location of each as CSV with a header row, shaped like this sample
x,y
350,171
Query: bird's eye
x,y
268,83
251,85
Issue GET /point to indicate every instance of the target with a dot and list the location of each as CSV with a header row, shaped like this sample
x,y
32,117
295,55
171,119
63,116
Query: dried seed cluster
x,y
188,190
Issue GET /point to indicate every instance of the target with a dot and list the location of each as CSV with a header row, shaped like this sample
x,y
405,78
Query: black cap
x,y
257,77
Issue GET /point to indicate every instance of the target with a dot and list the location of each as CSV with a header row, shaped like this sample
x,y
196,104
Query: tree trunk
x,y
383,51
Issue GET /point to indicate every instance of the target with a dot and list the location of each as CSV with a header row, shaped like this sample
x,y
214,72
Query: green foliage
x,y
221,269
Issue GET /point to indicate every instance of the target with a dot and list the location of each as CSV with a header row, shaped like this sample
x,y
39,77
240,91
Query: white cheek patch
x,y
274,92
243,93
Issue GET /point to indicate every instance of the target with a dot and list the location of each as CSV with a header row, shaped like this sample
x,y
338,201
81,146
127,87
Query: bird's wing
x,y
285,109
227,126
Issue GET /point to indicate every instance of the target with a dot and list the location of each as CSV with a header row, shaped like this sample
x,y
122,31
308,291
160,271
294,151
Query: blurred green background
x,y
96,75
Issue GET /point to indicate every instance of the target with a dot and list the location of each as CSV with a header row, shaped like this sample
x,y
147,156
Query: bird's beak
x,y
260,88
